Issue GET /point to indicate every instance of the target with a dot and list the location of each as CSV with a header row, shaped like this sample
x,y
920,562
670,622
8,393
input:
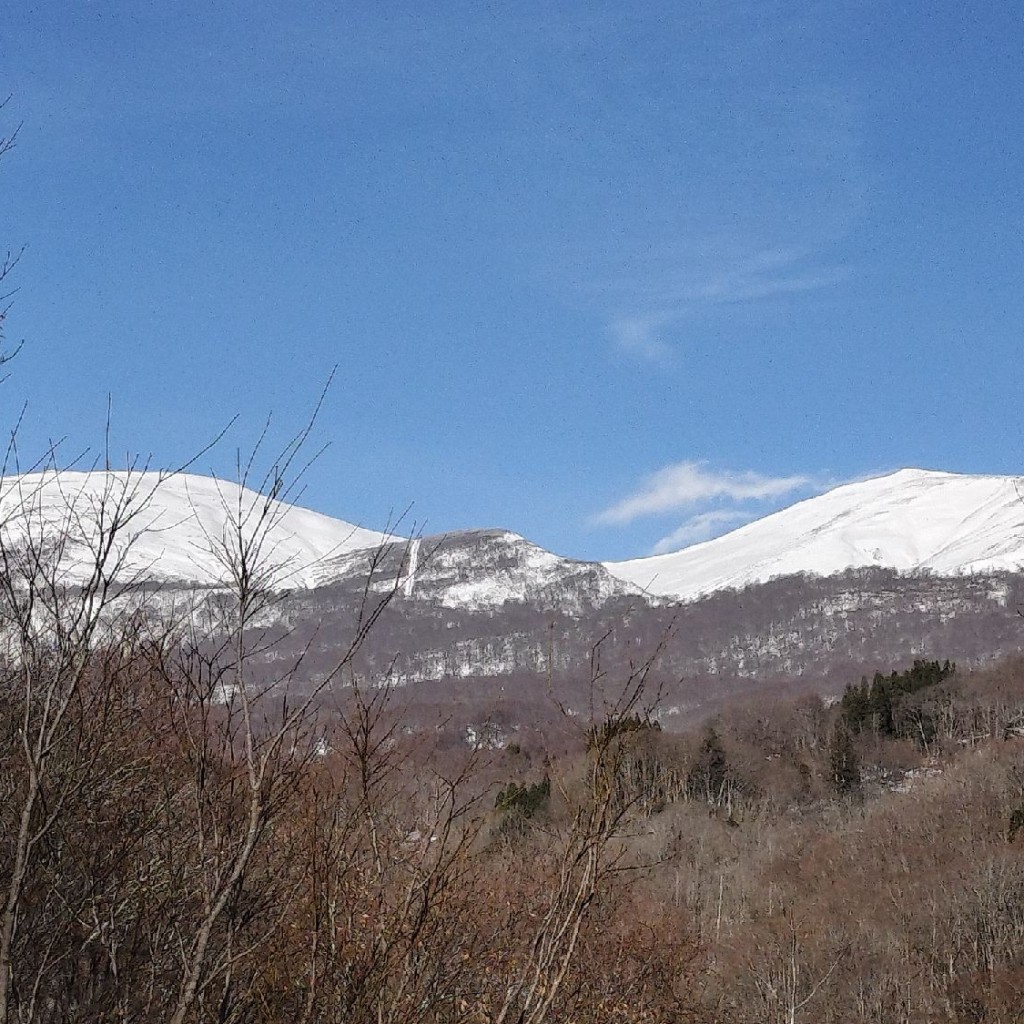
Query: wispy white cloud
x,y
700,527
651,307
687,484
761,275
639,336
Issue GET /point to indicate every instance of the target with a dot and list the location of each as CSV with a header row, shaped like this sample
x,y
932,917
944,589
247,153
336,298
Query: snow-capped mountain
x,y
912,520
488,605
175,528
181,530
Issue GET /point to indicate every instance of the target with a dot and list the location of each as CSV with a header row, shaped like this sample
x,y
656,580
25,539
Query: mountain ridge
x,y
911,520
181,524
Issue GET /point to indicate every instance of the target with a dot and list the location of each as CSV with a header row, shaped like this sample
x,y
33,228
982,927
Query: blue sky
x,y
614,278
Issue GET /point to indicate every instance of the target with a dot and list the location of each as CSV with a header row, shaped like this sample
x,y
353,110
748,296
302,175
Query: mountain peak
x,y
182,524
909,520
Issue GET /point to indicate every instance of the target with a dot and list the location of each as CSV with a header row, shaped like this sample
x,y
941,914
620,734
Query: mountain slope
x,y
912,520
184,526
180,527
482,570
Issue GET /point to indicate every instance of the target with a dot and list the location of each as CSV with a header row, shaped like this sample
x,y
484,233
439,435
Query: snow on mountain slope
x,y
182,522
483,570
910,520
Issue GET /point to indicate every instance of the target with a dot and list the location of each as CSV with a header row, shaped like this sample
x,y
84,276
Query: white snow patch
x,y
414,557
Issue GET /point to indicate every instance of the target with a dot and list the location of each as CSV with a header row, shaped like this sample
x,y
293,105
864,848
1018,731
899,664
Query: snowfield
x,y
181,525
912,520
